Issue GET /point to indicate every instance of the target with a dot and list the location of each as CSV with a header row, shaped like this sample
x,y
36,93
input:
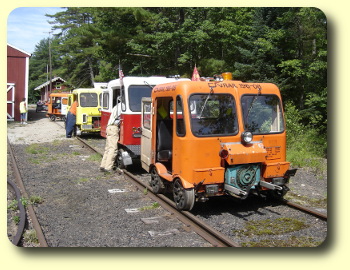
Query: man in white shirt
x,y
112,139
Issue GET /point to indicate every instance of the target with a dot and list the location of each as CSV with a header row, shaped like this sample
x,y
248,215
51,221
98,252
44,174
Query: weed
x,y
36,149
24,201
293,241
30,236
35,199
75,153
307,200
13,205
145,191
16,219
272,227
82,180
95,157
150,207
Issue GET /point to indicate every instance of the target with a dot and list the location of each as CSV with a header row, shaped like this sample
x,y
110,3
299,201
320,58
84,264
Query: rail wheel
x,y
119,160
277,195
156,182
53,118
184,198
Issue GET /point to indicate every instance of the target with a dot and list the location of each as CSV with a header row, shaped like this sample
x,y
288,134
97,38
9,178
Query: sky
x,y
27,26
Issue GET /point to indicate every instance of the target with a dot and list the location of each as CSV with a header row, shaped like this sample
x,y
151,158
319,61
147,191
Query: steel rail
x,y
305,209
85,143
32,215
216,238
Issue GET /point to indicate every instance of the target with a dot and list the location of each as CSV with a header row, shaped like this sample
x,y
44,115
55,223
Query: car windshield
x,y
136,93
213,115
262,114
88,100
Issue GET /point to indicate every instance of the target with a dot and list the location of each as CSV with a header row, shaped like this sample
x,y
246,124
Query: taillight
x,y
223,153
136,132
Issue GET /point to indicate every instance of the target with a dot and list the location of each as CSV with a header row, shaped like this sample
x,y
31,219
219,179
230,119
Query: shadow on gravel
x,y
239,208
34,116
223,204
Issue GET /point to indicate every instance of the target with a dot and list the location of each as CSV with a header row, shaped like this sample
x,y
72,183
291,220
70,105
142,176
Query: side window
x,y
105,100
180,121
147,107
123,101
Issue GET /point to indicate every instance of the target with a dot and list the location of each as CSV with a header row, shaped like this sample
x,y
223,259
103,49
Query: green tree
x,y
39,65
78,45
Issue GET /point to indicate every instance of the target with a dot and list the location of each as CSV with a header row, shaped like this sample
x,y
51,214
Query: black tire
x,y
184,198
156,182
53,118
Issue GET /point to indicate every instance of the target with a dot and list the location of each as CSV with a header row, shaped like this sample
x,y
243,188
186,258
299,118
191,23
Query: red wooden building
x,y
57,86
17,80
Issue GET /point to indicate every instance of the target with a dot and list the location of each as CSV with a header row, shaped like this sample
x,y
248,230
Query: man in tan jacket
x,y
112,139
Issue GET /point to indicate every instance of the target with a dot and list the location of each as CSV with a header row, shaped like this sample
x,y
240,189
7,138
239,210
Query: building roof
x,y
26,54
48,82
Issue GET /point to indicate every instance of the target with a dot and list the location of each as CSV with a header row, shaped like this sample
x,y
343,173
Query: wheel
x,y
53,118
156,182
64,119
77,131
277,195
119,160
184,198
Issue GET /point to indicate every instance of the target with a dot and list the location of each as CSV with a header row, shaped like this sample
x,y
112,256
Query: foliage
x,y
285,46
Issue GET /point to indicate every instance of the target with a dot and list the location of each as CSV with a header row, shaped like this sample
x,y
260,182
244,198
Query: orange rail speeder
x,y
213,138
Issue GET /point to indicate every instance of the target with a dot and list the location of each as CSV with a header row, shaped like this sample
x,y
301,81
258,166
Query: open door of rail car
x,y
146,137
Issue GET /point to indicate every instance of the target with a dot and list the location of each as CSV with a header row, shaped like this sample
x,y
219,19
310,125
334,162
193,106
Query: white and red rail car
x,y
129,95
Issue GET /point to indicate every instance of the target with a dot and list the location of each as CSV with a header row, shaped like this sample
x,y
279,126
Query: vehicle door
x,y
146,135
106,109
64,104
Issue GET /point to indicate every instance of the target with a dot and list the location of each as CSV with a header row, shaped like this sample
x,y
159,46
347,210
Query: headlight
x,y
247,137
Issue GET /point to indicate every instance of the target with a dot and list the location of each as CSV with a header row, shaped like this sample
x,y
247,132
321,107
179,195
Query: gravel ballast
x,y
83,207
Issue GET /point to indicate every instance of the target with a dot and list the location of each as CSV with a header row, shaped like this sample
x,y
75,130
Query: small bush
x,y
306,146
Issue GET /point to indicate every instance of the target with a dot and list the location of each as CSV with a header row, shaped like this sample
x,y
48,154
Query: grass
x,y
16,219
306,148
30,237
307,200
25,202
150,207
35,149
95,157
272,227
36,200
293,241
82,180
13,205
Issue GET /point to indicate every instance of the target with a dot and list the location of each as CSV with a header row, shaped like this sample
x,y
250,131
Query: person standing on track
x,y
112,139
71,119
23,110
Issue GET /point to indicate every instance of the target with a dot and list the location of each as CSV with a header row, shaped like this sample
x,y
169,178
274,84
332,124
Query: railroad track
x,y
214,237
21,192
208,233
306,209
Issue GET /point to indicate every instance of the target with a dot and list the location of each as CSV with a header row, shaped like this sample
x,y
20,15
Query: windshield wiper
x,y
146,83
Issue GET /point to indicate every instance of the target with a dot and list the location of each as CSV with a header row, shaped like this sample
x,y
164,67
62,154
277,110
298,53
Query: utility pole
x,y
50,64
